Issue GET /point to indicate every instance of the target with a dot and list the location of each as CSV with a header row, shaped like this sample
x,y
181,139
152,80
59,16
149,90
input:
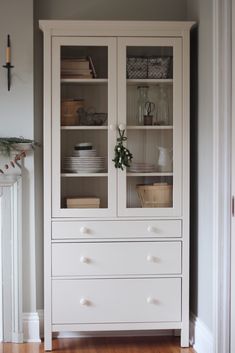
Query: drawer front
x,y
116,300
132,258
116,229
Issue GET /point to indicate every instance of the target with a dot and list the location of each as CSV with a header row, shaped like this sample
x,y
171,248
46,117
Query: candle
x,y
8,50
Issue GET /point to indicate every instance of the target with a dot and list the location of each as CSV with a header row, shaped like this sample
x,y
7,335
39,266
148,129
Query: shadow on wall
x,y
194,171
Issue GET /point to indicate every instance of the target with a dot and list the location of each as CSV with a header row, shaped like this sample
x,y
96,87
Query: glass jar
x,y
163,107
141,104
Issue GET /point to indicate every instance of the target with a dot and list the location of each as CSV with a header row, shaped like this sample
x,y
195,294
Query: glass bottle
x,y
163,107
142,100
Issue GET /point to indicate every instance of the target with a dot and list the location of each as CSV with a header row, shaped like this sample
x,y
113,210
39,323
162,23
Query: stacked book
x,y
78,68
83,202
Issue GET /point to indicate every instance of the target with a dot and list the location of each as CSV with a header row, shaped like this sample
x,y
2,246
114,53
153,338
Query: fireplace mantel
x,y
11,257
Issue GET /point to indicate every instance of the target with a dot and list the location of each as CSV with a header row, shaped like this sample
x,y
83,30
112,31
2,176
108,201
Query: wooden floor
x,y
102,345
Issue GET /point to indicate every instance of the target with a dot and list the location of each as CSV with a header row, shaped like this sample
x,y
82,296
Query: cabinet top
x,y
115,28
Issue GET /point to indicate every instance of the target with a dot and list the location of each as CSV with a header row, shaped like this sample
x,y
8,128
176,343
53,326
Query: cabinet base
x,y
67,332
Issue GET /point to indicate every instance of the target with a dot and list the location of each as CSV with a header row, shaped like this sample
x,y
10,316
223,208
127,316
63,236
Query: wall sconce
x,y
8,65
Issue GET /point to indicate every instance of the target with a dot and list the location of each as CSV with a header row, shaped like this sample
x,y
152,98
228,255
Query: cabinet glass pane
x,y
150,126
84,134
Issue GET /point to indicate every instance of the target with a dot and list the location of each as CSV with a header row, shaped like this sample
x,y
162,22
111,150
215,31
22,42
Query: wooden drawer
x,y
116,300
132,258
115,229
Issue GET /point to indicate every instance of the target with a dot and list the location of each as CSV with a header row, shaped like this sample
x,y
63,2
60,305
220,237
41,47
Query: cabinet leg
x,y
48,341
184,338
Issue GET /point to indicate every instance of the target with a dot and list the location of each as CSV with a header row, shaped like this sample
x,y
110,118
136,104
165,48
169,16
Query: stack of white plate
x,y
84,149
84,153
83,146
83,164
141,167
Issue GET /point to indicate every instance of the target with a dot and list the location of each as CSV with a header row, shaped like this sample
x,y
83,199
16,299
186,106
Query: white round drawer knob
x,y
84,230
84,260
84,301
150,258
150,300
150,229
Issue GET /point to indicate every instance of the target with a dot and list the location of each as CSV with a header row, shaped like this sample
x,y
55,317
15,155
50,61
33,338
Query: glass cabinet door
x,y
83,126
150,111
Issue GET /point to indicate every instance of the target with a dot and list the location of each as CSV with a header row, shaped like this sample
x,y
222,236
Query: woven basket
x,y
160,67
137,68
157,67
157,195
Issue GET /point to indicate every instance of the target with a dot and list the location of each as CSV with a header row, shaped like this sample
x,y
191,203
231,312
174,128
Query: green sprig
x,y
7,144
123,156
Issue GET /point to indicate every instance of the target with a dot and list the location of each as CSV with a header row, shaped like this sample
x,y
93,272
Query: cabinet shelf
x,y
90,81
78,127
150,127
149,81
82,175
149,174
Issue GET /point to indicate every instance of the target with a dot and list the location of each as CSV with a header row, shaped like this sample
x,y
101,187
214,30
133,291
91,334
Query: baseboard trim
x,y
31,325
201,337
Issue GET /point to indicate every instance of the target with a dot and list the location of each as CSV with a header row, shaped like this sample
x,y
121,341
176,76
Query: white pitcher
x,y
165,159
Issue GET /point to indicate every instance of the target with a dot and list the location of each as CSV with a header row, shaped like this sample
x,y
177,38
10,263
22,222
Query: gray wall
x,y
17,119
112,9
201,159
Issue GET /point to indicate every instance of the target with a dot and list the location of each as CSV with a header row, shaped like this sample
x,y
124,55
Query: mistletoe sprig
x,y
123,156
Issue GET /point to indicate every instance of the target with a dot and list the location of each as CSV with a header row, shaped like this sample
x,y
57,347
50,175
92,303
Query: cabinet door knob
x,y
84,260
84,230
150,300
84,301
150,258
122,127
150,229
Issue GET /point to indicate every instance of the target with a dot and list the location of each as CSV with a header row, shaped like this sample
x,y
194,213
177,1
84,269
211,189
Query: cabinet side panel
x,y
47,189
186,163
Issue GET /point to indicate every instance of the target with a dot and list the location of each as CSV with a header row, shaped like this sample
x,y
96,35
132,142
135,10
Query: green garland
x,y
123,156
9,145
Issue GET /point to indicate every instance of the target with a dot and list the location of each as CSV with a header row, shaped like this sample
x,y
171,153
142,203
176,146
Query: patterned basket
x,y
137,68
152,67
159,67
156,195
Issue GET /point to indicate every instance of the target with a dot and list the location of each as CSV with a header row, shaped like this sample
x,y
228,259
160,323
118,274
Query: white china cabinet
x,y
116,241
